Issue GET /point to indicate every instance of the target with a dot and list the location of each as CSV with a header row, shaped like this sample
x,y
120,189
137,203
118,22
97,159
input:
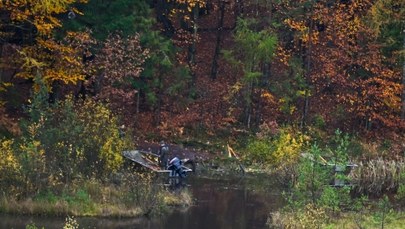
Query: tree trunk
x,y
266,69
307,74
159,100
403,80
249,106
249,100
192,48
138,100
54,94
1,62
239,9
264,86
214,68
162,12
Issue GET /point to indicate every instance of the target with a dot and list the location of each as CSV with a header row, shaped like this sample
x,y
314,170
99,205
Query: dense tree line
x,y
170,65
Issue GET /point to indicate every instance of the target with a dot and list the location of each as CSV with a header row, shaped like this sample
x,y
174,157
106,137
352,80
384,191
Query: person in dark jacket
x,y
163,151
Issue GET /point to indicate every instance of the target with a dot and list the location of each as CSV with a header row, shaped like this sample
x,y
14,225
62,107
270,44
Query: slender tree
x,y
252,48
386,18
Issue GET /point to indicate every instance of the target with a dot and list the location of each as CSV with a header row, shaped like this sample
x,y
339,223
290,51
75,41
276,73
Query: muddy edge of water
x,y
222,202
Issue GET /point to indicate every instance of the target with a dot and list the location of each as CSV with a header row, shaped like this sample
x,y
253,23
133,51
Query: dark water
x,y
225,203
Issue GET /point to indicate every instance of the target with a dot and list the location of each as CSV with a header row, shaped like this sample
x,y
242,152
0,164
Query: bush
x,y
78,138
276,147
312,180
319,121
31,156
309,216
400,195
9,165
144,193
311,200
259,151
60,143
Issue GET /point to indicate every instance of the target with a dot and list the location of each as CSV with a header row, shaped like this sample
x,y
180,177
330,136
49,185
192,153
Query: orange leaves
x,y
300,26
347,63
41,13
282,55
37,51
120,61
268,97
122,57
185,8
305,33
297,25
56,61
189,5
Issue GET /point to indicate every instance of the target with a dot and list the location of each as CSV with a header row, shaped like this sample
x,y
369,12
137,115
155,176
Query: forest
x,y
272,80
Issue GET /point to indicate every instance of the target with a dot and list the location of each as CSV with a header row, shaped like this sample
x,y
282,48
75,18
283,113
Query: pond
x,y
220,203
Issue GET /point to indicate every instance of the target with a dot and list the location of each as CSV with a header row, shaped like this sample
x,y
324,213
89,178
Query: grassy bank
x,y
312,216
93,198
67,161
322,192
319,218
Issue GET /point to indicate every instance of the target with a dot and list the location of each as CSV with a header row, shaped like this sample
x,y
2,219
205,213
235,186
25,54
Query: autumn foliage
x,y
298,63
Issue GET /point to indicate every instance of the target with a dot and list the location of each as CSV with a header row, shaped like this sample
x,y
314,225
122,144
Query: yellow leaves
x,y
297,25
234,90
283,55
41,13
111,155
54,60
268,96
4,85
186,7
51,6
287,148
8,161
30,62
305,33
280,147
62,75
9,164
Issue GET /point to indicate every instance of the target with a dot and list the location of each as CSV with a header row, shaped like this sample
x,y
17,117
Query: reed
x,y
377,176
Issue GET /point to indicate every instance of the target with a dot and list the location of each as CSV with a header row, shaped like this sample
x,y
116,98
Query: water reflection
x,y
219,204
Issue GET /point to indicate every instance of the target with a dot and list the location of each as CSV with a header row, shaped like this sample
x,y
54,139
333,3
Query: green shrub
x,y
400,195
46,196
9,165
383,212
311,200
31,156
143,192
80,202
259,151
319,121
309,216
313,178
277,148
60,143
32,226
78,138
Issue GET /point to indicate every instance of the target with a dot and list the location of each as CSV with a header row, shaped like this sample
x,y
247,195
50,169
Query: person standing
x,y
163,151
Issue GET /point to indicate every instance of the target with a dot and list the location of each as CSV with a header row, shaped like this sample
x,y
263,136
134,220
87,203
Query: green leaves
x,y
253,47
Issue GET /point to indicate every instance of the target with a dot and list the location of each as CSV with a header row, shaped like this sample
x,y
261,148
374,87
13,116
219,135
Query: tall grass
x,y
135,196
377,176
